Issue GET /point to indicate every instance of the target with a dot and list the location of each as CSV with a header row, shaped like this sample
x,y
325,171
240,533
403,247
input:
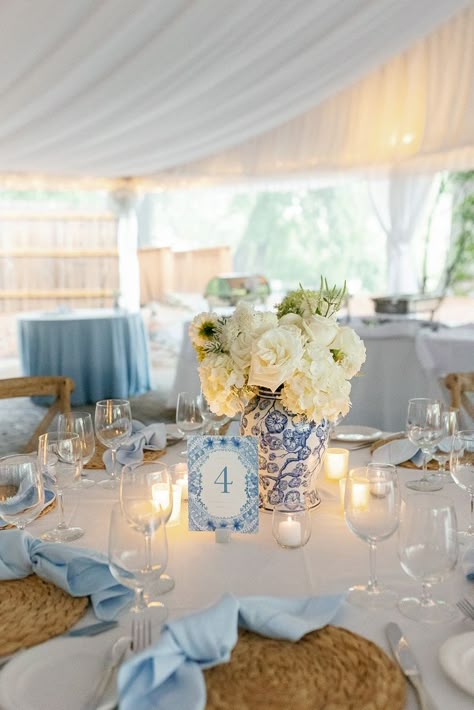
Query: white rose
x,y
292,319
352,349
241,348
264,320
321,330
275,356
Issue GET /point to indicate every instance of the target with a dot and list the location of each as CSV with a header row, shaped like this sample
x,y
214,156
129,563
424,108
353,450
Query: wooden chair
x,y
48,385
460,384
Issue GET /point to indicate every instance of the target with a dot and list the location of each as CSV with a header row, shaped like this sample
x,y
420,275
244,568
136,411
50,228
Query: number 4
x,y
224,482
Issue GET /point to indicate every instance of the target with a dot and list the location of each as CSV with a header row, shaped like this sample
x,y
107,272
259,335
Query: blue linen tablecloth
x,y
105,351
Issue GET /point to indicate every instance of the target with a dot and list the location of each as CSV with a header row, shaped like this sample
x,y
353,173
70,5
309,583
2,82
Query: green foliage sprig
x,y
324,302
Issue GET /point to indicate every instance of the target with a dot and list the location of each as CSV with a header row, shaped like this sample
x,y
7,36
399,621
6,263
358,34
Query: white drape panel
x,y
134,87
123,203
400,203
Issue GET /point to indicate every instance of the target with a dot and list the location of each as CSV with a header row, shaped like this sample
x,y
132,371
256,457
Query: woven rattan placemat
x,y
328,668
96,460
33,610
45,511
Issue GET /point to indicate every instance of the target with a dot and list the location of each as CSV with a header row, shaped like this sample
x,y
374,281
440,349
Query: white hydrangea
x,y
221,382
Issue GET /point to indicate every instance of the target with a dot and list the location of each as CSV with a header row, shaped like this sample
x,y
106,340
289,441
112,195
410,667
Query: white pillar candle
x,y
289,532
336,463
360,495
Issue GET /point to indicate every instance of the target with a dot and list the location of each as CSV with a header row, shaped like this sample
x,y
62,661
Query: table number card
x,y
223,483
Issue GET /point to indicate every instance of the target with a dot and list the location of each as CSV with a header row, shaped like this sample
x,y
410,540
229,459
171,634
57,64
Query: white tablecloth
x,y
333,560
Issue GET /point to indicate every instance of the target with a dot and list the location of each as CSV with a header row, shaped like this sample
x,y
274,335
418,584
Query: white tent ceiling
x,y
211,89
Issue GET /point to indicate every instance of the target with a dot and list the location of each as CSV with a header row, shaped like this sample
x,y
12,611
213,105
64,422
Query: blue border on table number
x,y
199,450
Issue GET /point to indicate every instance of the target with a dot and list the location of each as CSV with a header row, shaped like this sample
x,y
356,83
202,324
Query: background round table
x,y
105,351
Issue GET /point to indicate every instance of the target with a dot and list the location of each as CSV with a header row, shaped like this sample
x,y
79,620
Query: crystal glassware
x,y
442,448
462,470
372,509
137,561
188,416
80,423
60,458
21,490
146,497
423,425
212,422
428,551
113,426
291,529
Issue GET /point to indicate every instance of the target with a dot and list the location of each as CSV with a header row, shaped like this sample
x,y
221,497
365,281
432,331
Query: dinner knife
x,y
406,661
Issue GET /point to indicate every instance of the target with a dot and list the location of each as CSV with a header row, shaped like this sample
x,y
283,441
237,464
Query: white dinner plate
x,y
54,675
356,434
456,656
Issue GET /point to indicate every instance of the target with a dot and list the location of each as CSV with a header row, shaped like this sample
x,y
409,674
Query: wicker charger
x,y
97,462
328,668
33,610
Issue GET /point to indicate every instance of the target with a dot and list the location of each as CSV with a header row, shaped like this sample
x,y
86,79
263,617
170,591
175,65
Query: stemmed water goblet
x,y
189,418
21,490
372,508
146,498
80,423
428,551
424,429
113,426
442,448
137,561
60,459
213,422
462,470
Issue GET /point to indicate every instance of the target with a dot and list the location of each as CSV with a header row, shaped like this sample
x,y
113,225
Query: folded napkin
x,y
79,571
468,563
168,675
398,451
131,452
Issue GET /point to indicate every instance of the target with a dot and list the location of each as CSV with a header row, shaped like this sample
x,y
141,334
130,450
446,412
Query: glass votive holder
x,y
291,529
179,475
336,463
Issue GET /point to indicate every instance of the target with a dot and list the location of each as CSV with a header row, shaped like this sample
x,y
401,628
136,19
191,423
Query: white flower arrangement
x,y
301,352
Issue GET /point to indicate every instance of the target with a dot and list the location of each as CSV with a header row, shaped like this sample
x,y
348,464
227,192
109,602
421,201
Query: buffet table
x,y
333,560
105,351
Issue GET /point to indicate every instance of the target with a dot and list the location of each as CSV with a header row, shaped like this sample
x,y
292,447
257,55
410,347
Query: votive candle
x,y
336,463
289,532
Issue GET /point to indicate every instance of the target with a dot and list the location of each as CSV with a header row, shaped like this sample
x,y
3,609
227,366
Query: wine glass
x,y
424,430
60,458
442,449
137,561
80,423
188,416
113,426
462,470
428,551
213,422
21,490
146,497
372,508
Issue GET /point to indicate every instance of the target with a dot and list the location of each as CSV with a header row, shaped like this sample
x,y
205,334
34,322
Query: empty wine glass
x,y
146,498
21,490
60,458
137,561
188,416
442,448
462,470
428,551
424,430
213,422
113,426
80,423
372,507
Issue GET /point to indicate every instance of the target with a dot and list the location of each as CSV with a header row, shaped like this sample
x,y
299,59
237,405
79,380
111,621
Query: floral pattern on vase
x,y
290,452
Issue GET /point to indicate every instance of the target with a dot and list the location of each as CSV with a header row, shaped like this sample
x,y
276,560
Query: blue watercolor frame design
x,y
199,450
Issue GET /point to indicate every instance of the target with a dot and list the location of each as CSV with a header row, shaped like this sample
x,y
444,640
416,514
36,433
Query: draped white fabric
x,y
137,87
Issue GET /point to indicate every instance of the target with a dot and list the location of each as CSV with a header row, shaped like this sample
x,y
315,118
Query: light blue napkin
x,y
398,451
131,452
168,675
48,497
468,563
79,571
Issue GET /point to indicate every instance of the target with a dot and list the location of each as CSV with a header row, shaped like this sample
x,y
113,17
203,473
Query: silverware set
x,y
466,607
407,662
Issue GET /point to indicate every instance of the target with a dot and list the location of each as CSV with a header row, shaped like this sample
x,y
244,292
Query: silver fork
x,y
141,634
466,607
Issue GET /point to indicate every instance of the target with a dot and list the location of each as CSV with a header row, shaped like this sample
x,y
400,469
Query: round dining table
x,y
253,564
104,350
